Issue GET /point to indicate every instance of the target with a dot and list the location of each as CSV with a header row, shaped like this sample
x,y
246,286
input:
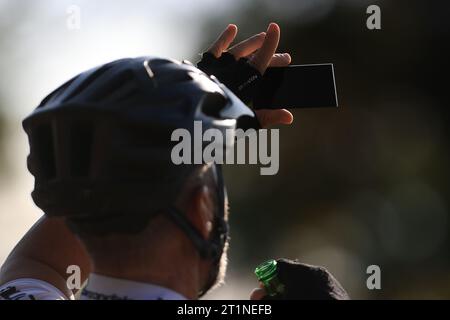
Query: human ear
x,y
200,211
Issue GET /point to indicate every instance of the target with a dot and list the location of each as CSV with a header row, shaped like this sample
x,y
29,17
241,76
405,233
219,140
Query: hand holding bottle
x,y
285,279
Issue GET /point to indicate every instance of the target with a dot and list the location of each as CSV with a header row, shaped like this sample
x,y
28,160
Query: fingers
x,y
260,48
223,41
269,117
280,60
248,46
263,56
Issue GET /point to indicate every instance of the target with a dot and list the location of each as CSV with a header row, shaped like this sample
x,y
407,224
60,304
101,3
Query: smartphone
x,y
297,86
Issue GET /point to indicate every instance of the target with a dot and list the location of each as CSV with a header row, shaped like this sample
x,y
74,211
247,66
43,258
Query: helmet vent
x,y
45,151
81,140
213,103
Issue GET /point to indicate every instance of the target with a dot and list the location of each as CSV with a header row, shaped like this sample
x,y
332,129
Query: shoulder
x,y
31,289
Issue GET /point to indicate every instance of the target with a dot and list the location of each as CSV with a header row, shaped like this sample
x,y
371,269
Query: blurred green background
x,y
366,183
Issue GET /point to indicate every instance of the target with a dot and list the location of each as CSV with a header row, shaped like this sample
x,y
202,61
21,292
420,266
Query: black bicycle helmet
x,y
100,144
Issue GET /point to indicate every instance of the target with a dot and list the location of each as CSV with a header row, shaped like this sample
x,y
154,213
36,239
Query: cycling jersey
x,y
99,287
106,288
31,289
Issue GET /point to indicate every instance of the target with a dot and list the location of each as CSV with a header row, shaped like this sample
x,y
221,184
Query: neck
x,y
181,277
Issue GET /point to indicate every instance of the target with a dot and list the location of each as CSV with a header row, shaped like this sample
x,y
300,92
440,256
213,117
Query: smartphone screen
x,y
297,86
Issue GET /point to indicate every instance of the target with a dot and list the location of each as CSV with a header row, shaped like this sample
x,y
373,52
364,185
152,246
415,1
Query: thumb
x,y
269,117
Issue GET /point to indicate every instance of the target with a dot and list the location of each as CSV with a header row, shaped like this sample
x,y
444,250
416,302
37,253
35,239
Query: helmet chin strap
x,y
208,249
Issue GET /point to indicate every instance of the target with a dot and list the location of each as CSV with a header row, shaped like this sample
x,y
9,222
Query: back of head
x,y
100,145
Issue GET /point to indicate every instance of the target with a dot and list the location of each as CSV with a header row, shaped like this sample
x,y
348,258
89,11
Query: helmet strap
x,y
206,249
212,248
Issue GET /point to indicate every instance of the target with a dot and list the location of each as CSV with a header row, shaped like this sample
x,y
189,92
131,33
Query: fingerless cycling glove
x,y
238,75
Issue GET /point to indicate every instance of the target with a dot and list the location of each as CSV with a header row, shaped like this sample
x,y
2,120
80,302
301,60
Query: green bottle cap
x,y
267,273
